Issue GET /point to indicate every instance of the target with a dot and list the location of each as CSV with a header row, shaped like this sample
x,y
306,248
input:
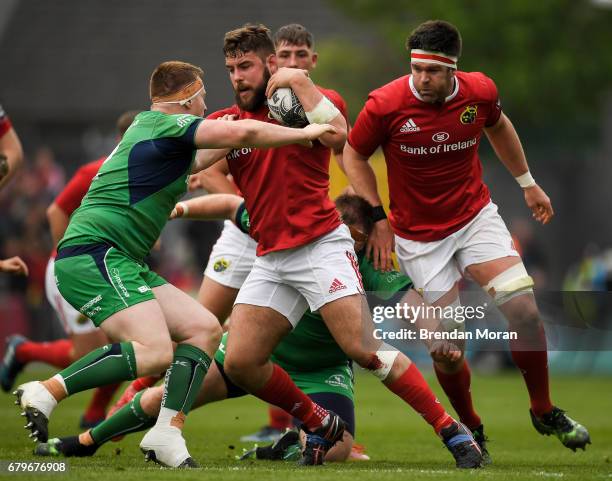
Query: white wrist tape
x,y
324,112
526,180
185,208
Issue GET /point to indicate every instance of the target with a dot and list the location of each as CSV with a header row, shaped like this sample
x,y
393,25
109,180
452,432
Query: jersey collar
x,y
446,100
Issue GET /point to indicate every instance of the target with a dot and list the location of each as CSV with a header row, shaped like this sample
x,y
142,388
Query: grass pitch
x,y
400,444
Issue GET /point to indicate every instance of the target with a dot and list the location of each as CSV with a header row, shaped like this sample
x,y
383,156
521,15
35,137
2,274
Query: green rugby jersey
x,y
311,346
138,185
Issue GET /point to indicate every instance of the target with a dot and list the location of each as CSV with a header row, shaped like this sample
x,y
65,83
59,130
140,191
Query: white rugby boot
x,y
165,445
37,404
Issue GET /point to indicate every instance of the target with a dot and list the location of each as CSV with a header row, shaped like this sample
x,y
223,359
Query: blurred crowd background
x,y
70,67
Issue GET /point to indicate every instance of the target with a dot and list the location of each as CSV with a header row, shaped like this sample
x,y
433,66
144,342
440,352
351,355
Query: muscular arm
x,y
11,156
309,96
58,222
361,176
214,179
508,148
220,134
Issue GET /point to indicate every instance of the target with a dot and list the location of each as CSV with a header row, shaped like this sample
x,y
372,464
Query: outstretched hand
x,y
314,131
14,265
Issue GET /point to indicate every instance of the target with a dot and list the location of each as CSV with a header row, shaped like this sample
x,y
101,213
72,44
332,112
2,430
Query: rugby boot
x,y
10,366
459,441
37,404
321,440
166,446
571,433
68,446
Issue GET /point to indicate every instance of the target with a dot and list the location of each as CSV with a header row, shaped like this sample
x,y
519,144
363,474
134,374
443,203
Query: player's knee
x,y
237,369
524,314
511,284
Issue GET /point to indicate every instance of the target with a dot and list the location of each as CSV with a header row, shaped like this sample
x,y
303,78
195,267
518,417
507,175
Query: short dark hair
x,y
125,120
355,210
170,77
248,38
436,36
294,34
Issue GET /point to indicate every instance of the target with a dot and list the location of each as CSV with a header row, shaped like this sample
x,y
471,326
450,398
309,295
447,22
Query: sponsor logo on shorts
x,y
468,116
91,302
337,380
336,286
220,265
115,273
143,289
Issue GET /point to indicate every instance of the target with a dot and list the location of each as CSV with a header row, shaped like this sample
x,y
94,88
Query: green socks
x,y
129,419
184,378
105,365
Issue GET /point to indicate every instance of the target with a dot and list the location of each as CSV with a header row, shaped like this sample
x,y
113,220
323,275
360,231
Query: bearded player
x,y
100,268
305,258
443,223
233,254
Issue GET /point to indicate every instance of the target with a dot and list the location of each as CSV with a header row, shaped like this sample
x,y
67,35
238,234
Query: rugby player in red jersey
x,y
305,258
11,158
83,335
443,224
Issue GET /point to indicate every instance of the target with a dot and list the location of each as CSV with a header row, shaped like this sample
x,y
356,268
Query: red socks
x,y
533,365
56,353
144,382
281,391
412,388
279,418
101,398
457,389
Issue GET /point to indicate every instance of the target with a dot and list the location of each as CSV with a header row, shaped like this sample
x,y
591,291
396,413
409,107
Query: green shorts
x,y
98,280
334,379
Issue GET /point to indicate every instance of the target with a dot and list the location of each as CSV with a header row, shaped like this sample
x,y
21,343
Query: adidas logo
x,y
409,126
336,286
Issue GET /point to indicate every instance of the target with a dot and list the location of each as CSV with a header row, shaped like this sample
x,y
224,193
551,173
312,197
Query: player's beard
x,y
259,95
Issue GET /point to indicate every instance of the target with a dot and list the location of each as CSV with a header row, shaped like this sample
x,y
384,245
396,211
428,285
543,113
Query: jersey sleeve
x,y
495,104
369,131
5,122
69,199
180,129
383,285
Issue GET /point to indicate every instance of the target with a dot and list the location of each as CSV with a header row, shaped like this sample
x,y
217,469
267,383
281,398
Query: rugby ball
x,y
285,107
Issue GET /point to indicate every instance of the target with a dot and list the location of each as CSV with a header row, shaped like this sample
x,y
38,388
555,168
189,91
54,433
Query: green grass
x,y
400,444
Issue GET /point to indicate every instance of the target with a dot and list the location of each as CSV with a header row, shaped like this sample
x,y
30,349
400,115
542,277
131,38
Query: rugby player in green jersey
x,y
309,353
100,269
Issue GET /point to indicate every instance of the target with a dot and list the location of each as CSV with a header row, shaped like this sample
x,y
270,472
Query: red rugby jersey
x,y
5,122
72,194
286,189
431,151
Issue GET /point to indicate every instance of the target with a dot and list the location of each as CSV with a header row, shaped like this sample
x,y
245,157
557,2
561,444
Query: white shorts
x,y
232,257
436,266
292,280
72,320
